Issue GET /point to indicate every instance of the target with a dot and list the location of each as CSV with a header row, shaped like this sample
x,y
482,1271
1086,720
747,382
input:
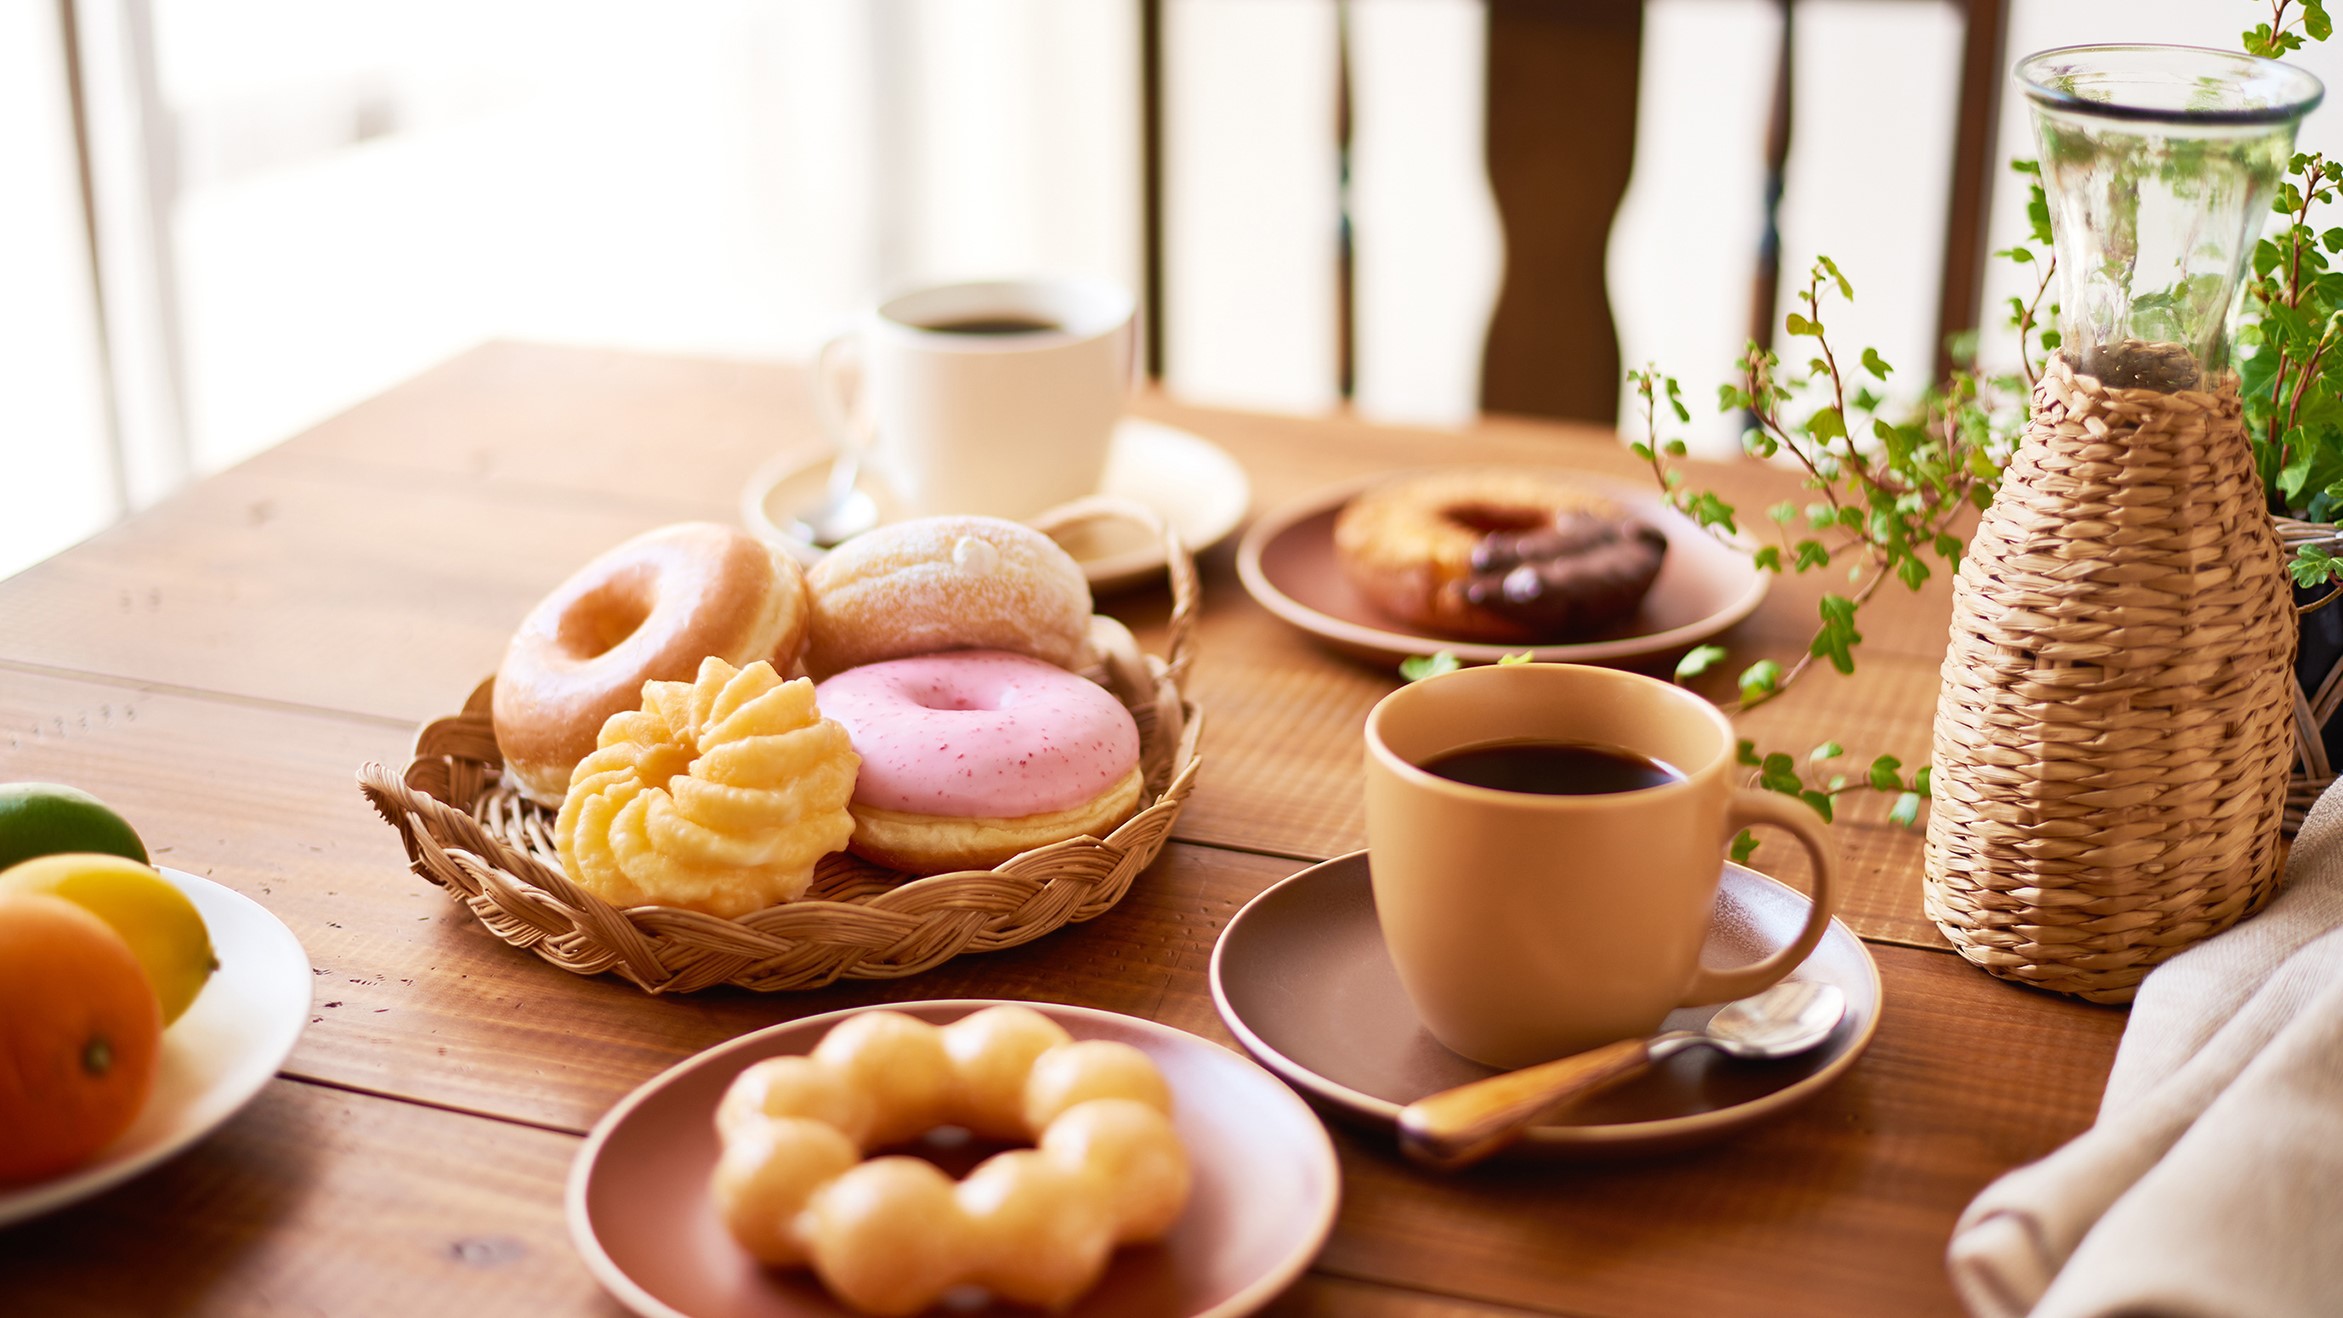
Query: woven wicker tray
x,y
492,850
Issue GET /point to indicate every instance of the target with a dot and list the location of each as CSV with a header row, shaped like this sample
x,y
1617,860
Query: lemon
x,y
44,819
154,917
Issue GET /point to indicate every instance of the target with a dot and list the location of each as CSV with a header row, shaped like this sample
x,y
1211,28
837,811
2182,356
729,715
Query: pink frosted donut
x,y
971,757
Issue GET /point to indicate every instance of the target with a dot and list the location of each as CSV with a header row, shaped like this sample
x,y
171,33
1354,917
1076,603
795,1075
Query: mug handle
x,y
830,406
1754,807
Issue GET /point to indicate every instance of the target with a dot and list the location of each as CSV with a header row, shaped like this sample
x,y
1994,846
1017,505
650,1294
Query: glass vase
x,y
2116,722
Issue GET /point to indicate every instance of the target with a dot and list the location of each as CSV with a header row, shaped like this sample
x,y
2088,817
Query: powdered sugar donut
x,y
973,756
946,583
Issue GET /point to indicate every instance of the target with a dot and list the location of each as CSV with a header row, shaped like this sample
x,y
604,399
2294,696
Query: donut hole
x,y
604,617
953,1150
947,700
1486,519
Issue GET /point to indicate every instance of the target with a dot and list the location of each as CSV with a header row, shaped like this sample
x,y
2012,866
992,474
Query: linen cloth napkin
x,y
2212,1182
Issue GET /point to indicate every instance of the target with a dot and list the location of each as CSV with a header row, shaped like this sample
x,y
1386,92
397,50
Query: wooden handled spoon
x,y
1458,1127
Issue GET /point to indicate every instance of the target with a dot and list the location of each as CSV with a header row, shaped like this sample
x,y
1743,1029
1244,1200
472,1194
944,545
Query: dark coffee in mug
x,y
1006,324
1552,768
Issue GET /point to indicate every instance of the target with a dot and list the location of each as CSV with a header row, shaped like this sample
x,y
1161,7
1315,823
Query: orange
x,y
41,819
79,1031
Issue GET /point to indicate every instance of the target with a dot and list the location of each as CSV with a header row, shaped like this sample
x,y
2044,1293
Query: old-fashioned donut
x,y
891,1235
1497,555
647,611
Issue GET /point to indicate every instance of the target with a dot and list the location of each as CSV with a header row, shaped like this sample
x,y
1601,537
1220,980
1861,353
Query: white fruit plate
x,y
214,1058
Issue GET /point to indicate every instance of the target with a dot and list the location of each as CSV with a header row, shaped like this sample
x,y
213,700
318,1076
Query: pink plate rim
x,y
624,1289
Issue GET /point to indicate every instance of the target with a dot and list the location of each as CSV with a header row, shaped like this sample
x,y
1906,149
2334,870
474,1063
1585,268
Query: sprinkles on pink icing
x,y
979,734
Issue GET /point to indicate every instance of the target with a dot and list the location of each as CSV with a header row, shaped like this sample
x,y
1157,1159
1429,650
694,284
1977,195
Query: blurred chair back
x,y
1561,87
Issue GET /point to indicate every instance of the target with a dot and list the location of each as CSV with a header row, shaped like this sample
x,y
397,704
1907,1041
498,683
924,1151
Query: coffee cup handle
x,y
830,406
1755,807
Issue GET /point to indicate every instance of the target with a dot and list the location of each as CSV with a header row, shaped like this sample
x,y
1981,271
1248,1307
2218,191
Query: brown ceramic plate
x,y
1265,1190
1287,562
1302,978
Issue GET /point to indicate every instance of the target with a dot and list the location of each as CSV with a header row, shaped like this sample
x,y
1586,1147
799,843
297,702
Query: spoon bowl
x,y
1458,1127
846,509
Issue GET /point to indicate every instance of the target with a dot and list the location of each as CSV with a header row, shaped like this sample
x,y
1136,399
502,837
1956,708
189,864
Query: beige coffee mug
x,y
996,398
1526,926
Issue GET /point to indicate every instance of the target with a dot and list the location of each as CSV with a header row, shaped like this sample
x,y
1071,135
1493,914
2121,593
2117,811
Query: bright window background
x,y
348,191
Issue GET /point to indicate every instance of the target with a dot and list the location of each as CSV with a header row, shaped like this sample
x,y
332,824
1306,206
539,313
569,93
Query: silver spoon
x,y
846,509
1459,1127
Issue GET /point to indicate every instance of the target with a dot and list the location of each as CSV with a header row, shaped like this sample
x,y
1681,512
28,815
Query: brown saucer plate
x,y
1303,980
1287,562
1266,1185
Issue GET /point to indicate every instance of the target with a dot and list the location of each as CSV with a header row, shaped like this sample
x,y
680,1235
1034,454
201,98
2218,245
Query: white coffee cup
x,y
996,398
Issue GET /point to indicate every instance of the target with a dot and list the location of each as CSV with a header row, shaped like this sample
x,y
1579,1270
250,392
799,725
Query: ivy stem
x,y
2026,327
1748,703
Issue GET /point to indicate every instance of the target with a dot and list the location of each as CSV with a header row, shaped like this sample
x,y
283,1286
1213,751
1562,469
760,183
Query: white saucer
x,y
1190,482
214,1058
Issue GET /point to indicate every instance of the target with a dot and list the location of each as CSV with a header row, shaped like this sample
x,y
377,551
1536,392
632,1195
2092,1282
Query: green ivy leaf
x,y
2312,564
1831,268
1922,779
1745,751
1768,559
1819,800
1417,667
1709,510
1838,638
1698,661
1783,512
1744,846
1906,811
1760,679
1778,774
1799,325
1829,750
1826,425
1886,774
2315,23
1811,555
1508,660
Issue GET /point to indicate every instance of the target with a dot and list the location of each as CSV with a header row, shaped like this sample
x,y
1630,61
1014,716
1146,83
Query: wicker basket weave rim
x,y
465,833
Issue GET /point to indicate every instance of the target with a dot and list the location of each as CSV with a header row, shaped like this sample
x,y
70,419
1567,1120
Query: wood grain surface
x,y
219,666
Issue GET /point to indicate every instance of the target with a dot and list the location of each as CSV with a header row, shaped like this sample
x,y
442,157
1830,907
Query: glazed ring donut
x,y
646,611
1499,555
891,1235
946,583
973,756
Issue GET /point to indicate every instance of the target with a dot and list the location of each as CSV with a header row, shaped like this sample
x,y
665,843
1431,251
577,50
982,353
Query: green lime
x,y
46,819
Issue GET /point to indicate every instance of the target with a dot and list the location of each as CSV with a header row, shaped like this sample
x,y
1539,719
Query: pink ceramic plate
x,y
1302,978
1287,562
1265,1191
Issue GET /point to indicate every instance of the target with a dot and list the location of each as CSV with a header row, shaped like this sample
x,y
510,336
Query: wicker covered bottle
x,y
2113,733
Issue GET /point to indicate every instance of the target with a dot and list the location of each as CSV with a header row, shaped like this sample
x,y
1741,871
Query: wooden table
x,y
219,666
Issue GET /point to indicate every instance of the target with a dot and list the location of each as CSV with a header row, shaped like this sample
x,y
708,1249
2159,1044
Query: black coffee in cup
x,y
1552,768
1006,324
